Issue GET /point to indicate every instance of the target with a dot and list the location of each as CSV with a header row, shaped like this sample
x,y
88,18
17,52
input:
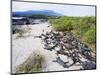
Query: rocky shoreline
x,y
61,50
64,43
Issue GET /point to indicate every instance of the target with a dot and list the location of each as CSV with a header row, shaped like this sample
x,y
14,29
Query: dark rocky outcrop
x,y
27,21
67,45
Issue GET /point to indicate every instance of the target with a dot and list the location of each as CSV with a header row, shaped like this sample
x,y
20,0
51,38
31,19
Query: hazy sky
x,y
68,10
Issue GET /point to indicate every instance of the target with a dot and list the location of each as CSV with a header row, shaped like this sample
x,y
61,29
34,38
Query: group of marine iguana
x,y
64,43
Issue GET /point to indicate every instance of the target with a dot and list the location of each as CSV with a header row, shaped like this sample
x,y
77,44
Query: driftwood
x,y
68,46
61,62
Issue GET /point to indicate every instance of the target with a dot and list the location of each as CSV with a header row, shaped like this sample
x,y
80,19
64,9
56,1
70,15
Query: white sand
x,y
23,47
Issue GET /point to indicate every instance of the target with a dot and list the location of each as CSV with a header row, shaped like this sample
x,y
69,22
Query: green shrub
x,y
21,33
34,63
89,36
16,29
66,23
62,24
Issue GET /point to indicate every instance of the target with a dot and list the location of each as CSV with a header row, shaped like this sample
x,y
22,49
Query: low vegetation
x,y
83,28
33,63
20,31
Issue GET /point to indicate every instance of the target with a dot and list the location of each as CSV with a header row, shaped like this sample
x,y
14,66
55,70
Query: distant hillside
x,y
33,12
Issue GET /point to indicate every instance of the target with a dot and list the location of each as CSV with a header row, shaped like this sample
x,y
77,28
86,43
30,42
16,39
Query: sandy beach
x,y
23,47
